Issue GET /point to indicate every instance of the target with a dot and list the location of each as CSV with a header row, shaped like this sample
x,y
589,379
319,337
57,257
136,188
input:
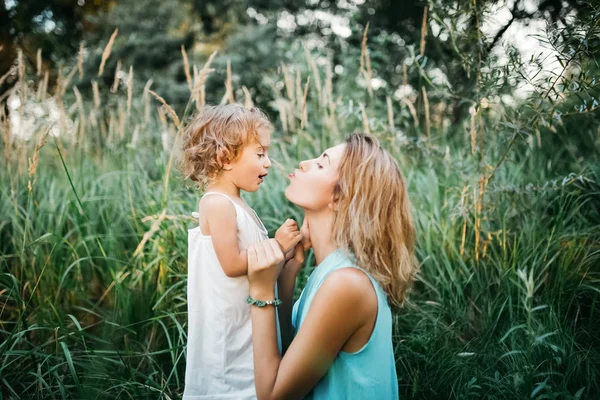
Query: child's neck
x,y
224,186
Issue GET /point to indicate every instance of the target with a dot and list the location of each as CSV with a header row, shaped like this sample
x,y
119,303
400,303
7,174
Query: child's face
x,y
249,170
311,186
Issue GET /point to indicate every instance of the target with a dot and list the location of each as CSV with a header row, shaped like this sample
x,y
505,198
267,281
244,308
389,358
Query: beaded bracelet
x,y
263,303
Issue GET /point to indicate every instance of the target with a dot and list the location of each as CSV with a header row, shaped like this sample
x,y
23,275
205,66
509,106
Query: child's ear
x,y
223,159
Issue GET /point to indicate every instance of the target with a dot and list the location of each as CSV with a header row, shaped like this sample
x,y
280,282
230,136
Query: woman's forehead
x,y
336,152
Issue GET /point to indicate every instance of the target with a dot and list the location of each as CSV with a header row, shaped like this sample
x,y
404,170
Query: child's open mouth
x,y
261,177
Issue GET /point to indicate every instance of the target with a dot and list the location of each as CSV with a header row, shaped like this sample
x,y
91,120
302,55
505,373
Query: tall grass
x,y
94,219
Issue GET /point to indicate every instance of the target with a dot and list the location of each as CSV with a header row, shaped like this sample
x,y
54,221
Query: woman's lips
x,y
291,175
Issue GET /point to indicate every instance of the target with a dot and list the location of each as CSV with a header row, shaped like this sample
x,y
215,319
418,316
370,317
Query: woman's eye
x,y
319,166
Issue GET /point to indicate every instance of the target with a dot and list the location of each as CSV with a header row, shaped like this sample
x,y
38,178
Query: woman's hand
x,y
264,264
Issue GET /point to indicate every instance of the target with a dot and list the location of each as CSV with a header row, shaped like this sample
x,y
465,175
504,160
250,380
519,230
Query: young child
x,y
225,151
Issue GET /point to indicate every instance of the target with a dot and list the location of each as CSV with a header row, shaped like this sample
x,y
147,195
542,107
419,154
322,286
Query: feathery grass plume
x,y
365,119
162,117
198,92
229,83
423,32
479,206
427,117
390,111
304,114
146,100
168,108
6,75
365,61
22,87
92,118
115,84
298,91
103,132
186,67
111,127
80,60
473,131
363,48
281,106
129,89
39,62
122,124
313,66
328,94
153,229
412,110
464,197
43,87
248,104
369,76
106,52
68,79
135,137
291,115
33,162
289,85
96,91
81,110
404,74
6,134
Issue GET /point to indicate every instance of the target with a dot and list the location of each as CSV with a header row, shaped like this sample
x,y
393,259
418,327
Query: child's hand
x,y
288,236
295,258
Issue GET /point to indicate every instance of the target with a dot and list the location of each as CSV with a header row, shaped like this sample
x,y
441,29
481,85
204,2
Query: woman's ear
x,y
335,197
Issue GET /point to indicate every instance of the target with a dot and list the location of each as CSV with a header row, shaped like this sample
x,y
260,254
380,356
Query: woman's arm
x,y
343,304
285,286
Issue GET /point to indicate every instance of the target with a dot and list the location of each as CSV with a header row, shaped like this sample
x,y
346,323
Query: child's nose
x,y
267,162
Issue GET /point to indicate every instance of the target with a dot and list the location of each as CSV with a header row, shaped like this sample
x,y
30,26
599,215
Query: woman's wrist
x,y
262,293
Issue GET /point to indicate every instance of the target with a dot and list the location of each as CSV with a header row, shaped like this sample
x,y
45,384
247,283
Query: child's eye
x,y
261,155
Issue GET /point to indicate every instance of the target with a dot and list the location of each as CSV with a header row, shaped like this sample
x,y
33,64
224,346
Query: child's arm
x,y
221,217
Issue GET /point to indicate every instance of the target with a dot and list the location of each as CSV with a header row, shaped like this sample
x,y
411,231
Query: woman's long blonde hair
x,y
373,217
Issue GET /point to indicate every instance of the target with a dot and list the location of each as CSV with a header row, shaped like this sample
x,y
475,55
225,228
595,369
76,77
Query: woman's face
x,y
311,186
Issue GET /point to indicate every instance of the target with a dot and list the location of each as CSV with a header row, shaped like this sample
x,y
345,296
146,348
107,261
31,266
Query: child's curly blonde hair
x,y
217,136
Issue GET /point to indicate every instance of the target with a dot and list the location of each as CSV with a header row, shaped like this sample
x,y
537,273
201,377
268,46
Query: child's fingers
x,y
297,239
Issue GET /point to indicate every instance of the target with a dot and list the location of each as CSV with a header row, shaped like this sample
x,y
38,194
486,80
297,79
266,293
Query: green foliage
x,y
93,243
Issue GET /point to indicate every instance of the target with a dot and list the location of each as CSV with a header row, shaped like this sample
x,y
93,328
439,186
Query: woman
x,y
357,219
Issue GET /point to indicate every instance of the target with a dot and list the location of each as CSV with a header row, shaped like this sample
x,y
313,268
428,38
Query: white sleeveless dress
x,y
220,362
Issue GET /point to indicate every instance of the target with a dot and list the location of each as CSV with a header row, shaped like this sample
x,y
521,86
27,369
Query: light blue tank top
x,y
370,373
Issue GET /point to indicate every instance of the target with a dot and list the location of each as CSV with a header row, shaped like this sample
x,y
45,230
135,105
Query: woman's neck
x,y
321,234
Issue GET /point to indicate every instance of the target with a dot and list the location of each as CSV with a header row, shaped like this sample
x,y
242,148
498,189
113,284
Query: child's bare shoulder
x,y
217,205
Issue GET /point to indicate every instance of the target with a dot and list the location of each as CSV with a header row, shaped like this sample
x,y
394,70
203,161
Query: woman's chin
x,y
287,194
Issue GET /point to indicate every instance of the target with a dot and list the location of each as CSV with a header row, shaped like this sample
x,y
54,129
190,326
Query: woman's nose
x,y
302,166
